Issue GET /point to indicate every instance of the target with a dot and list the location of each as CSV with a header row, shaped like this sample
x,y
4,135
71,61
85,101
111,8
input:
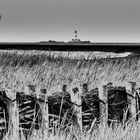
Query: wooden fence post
x,y
130,89
31,91
103,97
13,124
43,102
77,102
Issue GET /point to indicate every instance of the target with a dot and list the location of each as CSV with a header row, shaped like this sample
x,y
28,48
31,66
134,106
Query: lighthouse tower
x,y
76,36
75,39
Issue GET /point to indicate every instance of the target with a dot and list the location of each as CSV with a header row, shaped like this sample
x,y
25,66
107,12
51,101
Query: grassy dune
x,y
19,68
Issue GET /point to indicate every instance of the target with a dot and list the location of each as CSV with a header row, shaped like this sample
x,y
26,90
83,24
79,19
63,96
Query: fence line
x,y
42,98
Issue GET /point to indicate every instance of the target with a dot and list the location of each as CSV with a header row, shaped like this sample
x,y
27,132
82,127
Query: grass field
x,y
51,70
45,69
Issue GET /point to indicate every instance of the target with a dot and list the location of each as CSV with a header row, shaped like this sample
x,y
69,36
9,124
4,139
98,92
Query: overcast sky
x,y
95,20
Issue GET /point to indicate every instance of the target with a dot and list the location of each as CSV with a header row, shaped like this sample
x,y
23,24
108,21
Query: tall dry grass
x,y
131,132
19,68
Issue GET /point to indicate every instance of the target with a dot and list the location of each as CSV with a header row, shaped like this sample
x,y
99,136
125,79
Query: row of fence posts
x,y
131,99
75,98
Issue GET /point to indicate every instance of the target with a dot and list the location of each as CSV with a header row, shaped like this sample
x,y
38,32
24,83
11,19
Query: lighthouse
x,y
76,39
76,35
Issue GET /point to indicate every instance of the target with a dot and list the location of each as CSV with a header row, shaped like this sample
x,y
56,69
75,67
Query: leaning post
x,y
13,124
76,99
131,98
43,103
103,97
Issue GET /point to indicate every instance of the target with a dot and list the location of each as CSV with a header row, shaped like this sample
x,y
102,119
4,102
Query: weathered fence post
x,y
130,89
103,97
77,102
31,91
13,125
43,102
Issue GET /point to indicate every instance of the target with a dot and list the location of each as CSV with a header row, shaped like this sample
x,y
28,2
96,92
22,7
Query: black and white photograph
x,y
69,70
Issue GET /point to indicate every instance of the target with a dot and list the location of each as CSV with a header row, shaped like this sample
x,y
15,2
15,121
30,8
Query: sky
x,y
94,20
